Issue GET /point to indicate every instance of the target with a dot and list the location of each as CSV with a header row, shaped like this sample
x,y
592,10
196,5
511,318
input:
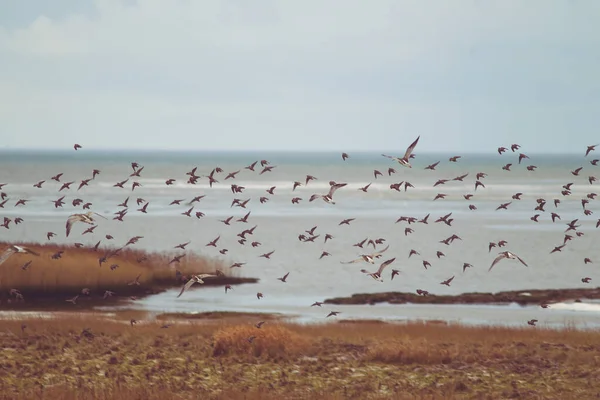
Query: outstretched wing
x,y
335,187
31,251
385,264
497,260
6,254
187,285
520,259
70,221
410,148
100,215
393,158
380,252
351,262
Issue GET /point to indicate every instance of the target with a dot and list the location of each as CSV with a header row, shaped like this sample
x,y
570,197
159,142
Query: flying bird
x,y
377,274
194,279
328,198
13,249
405,160
85,218
508,255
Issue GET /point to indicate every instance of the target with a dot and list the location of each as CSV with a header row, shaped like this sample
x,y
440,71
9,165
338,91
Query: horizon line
x,y
222,150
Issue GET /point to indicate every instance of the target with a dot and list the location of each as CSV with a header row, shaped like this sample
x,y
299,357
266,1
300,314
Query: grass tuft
x,y
271,341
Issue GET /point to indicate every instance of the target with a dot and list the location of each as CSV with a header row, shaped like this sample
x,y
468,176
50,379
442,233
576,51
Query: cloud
x,y
466,75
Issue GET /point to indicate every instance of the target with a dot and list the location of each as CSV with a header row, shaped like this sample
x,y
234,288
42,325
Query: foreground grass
x,y
78,268
213,359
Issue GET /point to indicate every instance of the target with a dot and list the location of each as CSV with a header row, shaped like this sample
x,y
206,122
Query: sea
x,y
375,213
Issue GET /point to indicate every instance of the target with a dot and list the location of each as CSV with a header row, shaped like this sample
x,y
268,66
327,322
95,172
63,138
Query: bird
x,y
73,300
506,254
377,274
85,218
328,198
447,281
284,278
367,257
405,160
590,149
194,279
13,249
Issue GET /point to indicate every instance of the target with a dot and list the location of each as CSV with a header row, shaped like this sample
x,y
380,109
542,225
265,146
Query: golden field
x,y
79,268
213,359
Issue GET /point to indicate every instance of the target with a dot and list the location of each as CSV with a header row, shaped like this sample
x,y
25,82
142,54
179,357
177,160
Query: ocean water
x,y
279,222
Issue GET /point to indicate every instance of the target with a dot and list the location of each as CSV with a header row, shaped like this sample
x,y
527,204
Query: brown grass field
x,y
78,268
213,359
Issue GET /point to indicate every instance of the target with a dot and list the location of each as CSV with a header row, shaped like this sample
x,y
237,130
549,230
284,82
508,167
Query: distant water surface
x,y
280,222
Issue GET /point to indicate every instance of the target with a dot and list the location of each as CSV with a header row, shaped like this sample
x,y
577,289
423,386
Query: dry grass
x,y
212,359
273,341
79,268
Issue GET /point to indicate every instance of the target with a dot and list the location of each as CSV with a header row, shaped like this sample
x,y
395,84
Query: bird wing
x,y
520,259
385,264
70,221
6,254
335,187
410,148
185,287
497,260
380,252
30,251
351,262
393,158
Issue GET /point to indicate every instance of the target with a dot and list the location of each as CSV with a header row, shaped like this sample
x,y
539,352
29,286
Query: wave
x,y
573,306
528,188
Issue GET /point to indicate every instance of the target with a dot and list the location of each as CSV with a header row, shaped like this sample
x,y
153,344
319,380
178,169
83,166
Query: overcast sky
x,y
466,75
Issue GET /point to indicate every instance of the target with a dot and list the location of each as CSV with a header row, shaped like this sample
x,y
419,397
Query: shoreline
x,y
57,301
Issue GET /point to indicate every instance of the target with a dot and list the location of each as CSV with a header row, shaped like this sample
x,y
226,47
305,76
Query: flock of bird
x,y
89,218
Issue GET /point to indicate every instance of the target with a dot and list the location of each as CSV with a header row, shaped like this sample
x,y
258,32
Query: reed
x,y
79,268
213,359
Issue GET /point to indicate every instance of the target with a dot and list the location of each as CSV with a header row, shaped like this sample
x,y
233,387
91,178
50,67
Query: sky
x,y
466,75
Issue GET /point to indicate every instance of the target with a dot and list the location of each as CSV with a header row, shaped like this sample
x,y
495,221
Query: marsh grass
x,y
213,359
80,268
